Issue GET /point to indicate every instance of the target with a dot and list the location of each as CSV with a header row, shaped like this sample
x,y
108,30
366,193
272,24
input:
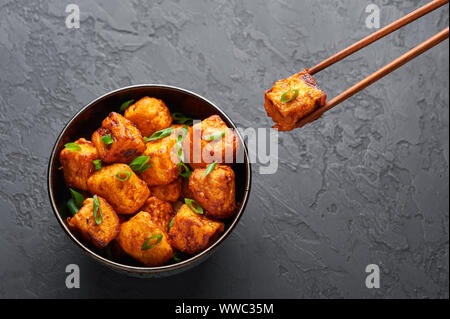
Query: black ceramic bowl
x,y
90,117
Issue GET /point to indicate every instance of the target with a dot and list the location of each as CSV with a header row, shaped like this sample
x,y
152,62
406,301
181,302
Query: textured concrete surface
x,y
369,183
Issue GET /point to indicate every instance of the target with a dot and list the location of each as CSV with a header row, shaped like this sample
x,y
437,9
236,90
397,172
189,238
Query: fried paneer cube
x,y
125,193
215,192
134,234
170,192
127,142
212,140
191,232
163,159
306,97
84,223
150,115
160,211
78,165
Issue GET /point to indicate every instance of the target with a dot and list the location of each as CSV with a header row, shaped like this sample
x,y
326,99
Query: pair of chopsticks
x,y
408,56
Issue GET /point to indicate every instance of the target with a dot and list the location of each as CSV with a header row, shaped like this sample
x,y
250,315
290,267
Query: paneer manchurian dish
x,y
293,98
140,188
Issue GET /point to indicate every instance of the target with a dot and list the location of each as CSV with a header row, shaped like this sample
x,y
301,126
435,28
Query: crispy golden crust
x,y
160,211
170,192
128,142
150,115
192,232
163,160
125,196
222,150
84,223
77,165
133,235
215,192
309,98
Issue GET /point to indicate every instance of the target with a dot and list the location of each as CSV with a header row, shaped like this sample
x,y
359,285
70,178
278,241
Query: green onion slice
x,y
125,105
180,118
97,212
160,134
147,245
78,199
107,139
97,164
72,146
193,205
170,224
139,164
179,150
184,170
122,178
289,96
73,209
179,143
176,258
184,132
108,252
210,168
215,136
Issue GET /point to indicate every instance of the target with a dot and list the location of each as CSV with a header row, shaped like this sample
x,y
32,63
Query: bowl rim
x,y
142,269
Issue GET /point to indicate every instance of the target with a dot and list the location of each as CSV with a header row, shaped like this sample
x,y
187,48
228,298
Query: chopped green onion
x,y
146,245
180,151
73,209
108,252
179,143
125,105
120,174
170,224
159,134
97,164
97,212
215,136
72,147
180,118
176,258
184,132
289,96
191,202
107,139
184,170
210,168
139,164
78,199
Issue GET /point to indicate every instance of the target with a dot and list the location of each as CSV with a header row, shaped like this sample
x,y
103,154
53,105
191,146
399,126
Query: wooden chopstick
x,y
378,35
408,56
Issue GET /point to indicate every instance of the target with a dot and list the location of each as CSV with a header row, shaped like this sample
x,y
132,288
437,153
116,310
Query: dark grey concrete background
x,y
369,183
